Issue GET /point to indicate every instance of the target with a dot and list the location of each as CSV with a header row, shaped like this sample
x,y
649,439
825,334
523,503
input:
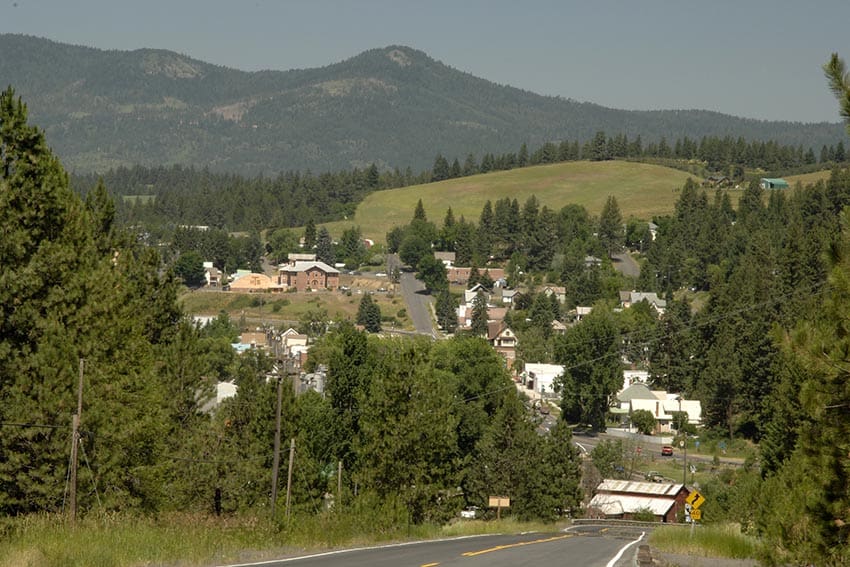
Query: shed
x,y
624,498
773,183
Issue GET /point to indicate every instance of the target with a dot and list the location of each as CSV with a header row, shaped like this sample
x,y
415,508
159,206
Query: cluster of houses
x,y
288,348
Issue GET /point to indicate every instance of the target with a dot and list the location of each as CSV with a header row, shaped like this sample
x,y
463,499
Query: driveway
x,y
624,263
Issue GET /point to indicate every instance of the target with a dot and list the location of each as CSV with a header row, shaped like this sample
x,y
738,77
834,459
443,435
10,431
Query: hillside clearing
x,y
642,191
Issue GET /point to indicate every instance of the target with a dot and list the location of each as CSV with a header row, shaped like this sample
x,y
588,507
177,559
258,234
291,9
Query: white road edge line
x,y
623,550
350,550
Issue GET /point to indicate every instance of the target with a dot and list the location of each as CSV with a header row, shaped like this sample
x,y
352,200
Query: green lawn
x,y
642,190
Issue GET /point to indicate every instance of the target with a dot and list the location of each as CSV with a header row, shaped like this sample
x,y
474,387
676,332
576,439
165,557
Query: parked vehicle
x,y
654,476
667,451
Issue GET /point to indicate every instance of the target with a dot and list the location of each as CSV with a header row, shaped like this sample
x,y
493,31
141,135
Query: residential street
x,y
625,264
417,301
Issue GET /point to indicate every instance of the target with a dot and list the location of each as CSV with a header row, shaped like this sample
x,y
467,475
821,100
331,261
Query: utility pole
x,y
289,475
276,460
75,441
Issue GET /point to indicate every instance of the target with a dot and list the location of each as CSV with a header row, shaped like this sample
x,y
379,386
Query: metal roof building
x,y
625,498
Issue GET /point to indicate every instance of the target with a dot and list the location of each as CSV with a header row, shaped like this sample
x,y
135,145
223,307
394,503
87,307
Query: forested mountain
x,y
393,106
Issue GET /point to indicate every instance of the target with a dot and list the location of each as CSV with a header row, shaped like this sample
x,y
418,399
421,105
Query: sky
x,y
751,58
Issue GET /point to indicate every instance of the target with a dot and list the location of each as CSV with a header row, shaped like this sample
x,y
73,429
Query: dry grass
x,y
642,190
808,178
286,309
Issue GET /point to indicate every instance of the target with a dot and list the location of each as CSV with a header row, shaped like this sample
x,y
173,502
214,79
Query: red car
x,y
667,451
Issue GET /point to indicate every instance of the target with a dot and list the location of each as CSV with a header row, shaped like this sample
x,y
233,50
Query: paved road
x,y
626,264
418,302
589,548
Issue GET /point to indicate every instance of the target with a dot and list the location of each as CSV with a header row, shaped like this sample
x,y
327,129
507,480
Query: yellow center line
x,y
429,565
510,545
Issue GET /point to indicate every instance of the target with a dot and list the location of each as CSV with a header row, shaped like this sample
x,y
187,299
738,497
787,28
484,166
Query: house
x,y
558,292
447,258
307,274
212,275
773,183
629,298
252,283
635,377
541,377
660,404
470,294
257,339
624,499
509,296
558,328
503,340
580,312
285,344
653,229
717,181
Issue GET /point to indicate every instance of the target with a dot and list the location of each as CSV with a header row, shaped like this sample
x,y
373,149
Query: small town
x,y
424,285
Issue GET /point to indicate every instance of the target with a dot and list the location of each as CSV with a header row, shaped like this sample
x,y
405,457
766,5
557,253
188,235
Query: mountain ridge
x,y
394,106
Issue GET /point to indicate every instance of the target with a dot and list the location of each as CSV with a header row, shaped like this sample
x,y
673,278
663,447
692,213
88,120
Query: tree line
x,y
162,198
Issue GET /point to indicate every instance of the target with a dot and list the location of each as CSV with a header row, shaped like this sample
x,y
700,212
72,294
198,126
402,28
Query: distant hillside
x,y
393,106
642,191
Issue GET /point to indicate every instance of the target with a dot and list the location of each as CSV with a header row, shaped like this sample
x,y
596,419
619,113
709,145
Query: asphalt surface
x,y
418,302
625,264
589,548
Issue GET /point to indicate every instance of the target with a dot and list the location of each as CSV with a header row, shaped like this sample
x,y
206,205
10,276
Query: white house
x,y
541,377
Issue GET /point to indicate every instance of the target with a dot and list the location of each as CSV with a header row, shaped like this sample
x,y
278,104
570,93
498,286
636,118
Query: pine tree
x,y
66,296
369,314
419,212
310,234
440,170
839,84
325,247
611,232
522,158
479,315
445,309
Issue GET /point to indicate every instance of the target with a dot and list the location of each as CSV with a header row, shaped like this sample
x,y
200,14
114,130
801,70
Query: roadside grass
x,y
122,540
642,190
722,540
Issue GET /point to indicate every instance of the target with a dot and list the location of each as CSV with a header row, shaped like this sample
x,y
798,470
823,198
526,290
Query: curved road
x,y
592,547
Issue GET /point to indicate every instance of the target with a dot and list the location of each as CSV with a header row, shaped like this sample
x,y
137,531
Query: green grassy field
x,y
642,190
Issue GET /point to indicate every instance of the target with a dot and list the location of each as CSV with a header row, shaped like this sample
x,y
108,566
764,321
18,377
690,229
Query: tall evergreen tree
x,y
445,308
310,234
325,247
479,315
65,297
369,314
611,232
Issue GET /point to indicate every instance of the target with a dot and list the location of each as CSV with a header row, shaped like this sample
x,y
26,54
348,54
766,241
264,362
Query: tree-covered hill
x,y
392,106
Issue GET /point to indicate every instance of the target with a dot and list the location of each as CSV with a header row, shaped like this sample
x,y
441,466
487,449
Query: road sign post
x,y
499,502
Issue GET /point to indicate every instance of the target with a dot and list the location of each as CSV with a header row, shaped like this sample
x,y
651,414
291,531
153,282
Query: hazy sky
x,y
753,58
